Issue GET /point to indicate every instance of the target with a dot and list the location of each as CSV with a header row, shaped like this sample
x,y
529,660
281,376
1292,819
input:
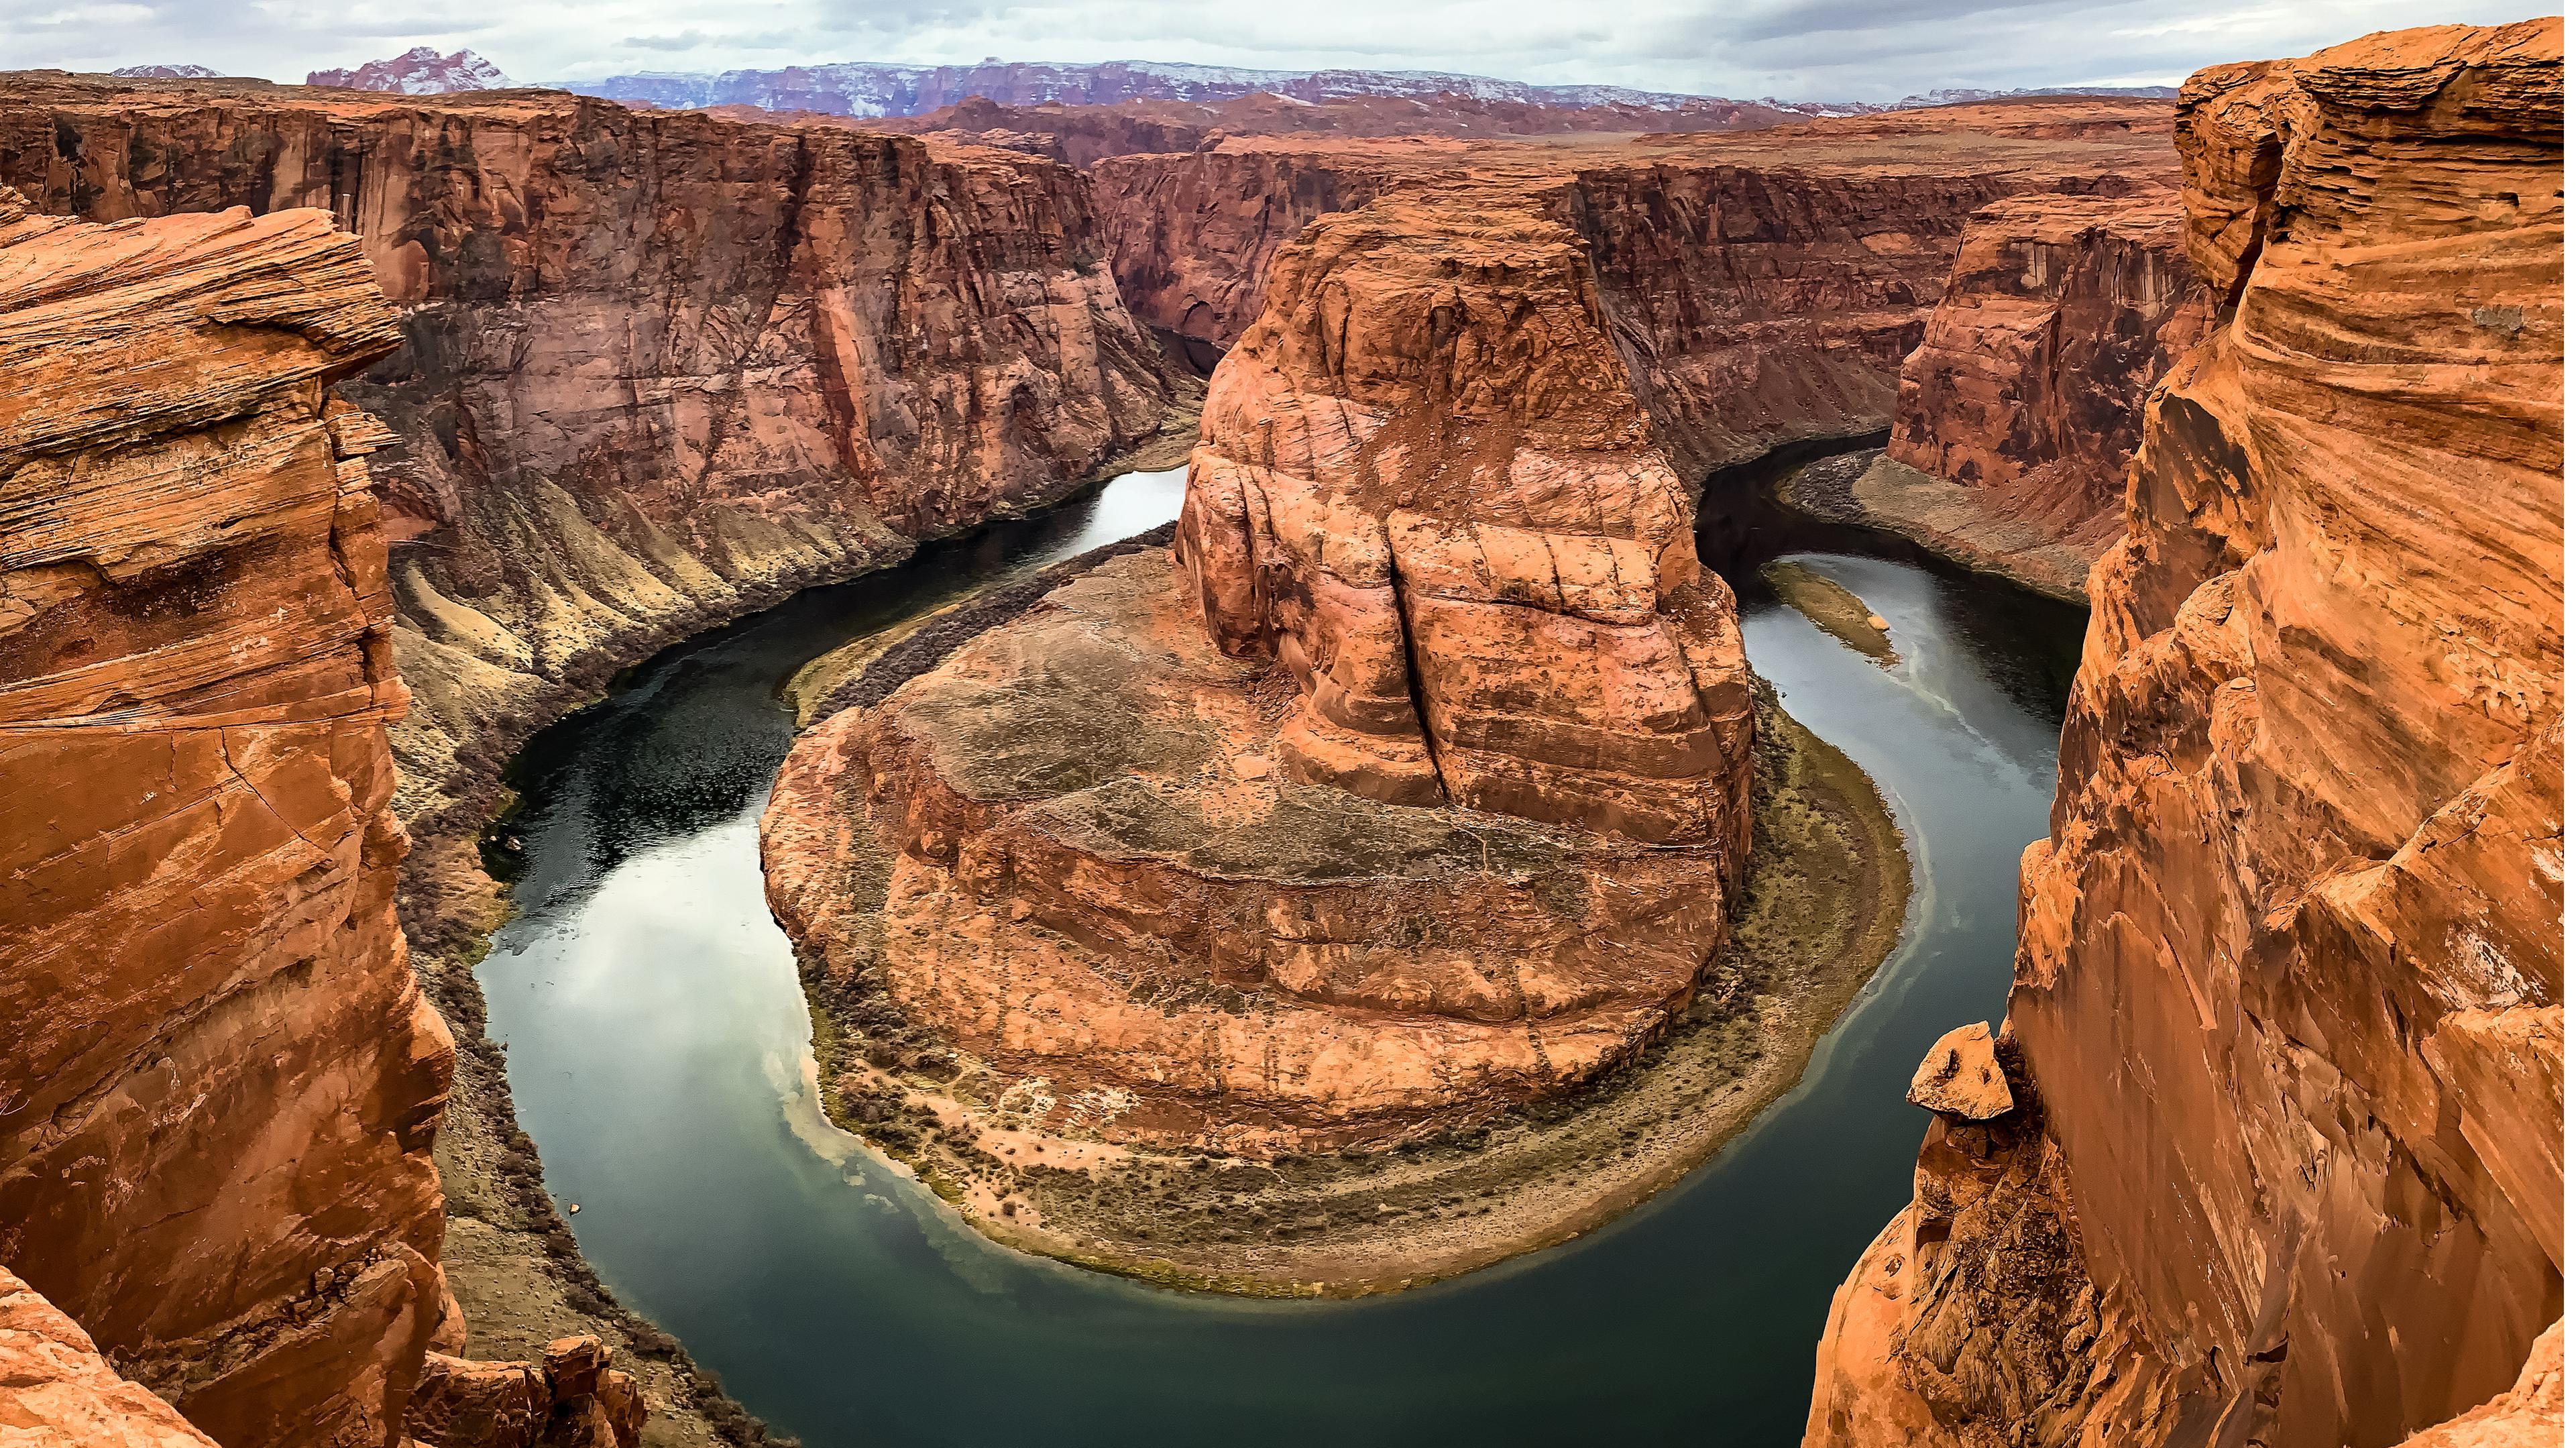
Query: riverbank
x,y
1961,524
511,1259
1823,904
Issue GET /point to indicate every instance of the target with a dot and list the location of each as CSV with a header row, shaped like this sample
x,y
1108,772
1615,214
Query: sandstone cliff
x,y
221,1081
1769,284
2060,313
655,369
2287,1005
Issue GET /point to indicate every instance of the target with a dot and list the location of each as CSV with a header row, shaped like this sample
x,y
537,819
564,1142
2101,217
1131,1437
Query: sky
x,y
1794,49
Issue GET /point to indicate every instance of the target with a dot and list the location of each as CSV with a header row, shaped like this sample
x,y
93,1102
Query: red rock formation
x,y
2288,994
221,1080
573,1400
2061,313
1425,486
1436,533
658,368
1769,283
57,1392
1098,882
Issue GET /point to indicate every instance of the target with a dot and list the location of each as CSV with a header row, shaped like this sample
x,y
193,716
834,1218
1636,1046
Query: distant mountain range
x,y
419,71
166,72
865,88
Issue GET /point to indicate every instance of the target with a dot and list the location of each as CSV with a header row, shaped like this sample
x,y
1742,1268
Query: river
x,y
658,1054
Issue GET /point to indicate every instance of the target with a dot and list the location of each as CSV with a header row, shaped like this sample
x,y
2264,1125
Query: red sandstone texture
x,y
2060,314
2288,995
56,1391
656,368
221,1080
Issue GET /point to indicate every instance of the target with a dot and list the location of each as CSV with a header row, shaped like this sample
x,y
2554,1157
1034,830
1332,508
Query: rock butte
x,y
1415,782
2286,1030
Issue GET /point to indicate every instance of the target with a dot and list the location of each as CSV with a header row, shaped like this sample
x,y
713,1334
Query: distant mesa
x,y
165,72
419,71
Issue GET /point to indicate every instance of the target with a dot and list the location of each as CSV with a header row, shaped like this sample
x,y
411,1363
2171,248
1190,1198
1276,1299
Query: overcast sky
x,y
1798,49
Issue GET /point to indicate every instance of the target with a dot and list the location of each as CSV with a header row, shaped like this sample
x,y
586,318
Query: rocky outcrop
x,y
60,1393
221,1080
2061,312
1439,504
2288,996
1417,788
573,1399
656,369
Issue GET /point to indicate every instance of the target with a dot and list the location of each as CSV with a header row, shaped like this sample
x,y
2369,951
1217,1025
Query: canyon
x,y
2286,1037
645,373
1404,827
1311,845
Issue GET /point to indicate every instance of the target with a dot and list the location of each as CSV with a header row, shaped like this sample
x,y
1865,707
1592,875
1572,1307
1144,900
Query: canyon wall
x,y
655,369
1191,235
221,1080
1768,285
2060,314
2286,1026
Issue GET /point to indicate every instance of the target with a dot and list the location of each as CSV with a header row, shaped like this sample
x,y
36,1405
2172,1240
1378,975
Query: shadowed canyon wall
x,y
2286,1033
2060,314
221,1080
656,369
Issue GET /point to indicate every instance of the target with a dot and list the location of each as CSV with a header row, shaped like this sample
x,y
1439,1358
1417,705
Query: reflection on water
x,y
658,1051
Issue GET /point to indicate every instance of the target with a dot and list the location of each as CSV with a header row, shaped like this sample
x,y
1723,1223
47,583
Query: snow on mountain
x,y
165,72
419,71
860,88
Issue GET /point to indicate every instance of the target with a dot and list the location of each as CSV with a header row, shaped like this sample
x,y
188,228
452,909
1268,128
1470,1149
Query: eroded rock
x,y
2289,982
221,1080
1960,1076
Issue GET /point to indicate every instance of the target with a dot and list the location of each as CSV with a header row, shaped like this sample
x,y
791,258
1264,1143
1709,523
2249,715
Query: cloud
x,y
1805,49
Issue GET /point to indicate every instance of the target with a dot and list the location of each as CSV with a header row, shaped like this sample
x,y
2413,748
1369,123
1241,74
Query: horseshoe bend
x,y
692,725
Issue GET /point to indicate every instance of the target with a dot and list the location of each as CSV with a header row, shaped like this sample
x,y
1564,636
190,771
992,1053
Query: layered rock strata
x,y
656,368
221,1080
2060,314
1773,282
2288,993
62,1394
1337,827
